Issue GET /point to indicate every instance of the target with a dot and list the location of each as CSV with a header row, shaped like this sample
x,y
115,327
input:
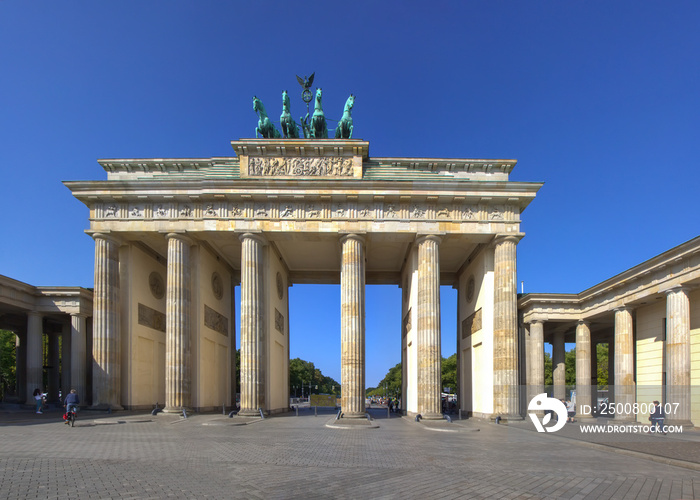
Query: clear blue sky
x,y
600,100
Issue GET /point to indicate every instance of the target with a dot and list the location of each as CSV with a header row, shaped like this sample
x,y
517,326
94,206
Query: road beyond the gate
x,y
136,455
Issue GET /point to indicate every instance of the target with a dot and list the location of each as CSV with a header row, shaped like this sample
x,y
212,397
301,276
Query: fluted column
x,y
352,319
178,325
428,317
678,355
78,355
252,325
624,363
35,355
559,365
583,369
536,358
106,373
505,328
66,343
53,371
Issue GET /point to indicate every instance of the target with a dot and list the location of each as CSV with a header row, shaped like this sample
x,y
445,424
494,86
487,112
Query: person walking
x,y
39,400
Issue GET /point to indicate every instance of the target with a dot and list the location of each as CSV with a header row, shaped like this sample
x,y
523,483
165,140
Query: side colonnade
x,y
649,316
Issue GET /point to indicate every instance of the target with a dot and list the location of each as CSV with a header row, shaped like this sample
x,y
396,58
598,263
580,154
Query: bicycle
x,y
71,415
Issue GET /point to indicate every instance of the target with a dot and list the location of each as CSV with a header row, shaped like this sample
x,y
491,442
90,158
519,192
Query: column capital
x,y
623,308
105,235
420,238
182,236
583,322
511,237
675,289
536,321
353,236
253,236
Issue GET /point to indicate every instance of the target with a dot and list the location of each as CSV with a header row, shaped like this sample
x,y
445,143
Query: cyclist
x,y
72,401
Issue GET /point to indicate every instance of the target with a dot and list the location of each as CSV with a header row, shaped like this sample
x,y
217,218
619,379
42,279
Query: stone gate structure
x,y
173,237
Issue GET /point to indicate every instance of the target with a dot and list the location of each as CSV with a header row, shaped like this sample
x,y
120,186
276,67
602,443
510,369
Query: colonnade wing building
x,y
649,317
173,237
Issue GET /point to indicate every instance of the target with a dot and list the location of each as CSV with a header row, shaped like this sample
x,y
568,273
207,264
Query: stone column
x,y
252,325
106,349
678,356
352,321
428,319
35,355
559,365
53,368
505,328
624,363
78,355
536,359
611,370
66,343
583,369
178,325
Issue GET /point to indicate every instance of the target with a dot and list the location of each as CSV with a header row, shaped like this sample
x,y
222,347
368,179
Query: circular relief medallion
x,y
470,288
280,286
155,281
217,286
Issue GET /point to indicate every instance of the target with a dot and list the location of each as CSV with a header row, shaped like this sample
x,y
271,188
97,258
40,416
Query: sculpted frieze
x,y
300,167
312,209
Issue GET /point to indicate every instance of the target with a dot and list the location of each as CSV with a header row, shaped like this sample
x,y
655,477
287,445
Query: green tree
x,y
8,376
391,383
602,357
548,373
449,373
570,363
304,373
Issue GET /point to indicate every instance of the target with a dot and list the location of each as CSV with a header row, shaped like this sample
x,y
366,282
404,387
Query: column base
x,y
353,415
432,416
250,412
177,409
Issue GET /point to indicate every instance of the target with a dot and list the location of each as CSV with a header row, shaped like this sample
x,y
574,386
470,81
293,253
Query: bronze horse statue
x,y
318,128
344,128
265,126
289,127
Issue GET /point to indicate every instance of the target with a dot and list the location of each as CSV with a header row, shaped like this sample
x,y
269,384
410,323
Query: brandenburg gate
x,y
174,237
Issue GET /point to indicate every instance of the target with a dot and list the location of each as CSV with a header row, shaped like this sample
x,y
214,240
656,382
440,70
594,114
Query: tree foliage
x,y
8,366
391,383
305,373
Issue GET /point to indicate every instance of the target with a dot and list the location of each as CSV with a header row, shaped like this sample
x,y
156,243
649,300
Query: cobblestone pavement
x,y
128,455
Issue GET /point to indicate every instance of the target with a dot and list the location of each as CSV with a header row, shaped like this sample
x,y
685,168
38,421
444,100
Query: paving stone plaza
x,y
136,455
